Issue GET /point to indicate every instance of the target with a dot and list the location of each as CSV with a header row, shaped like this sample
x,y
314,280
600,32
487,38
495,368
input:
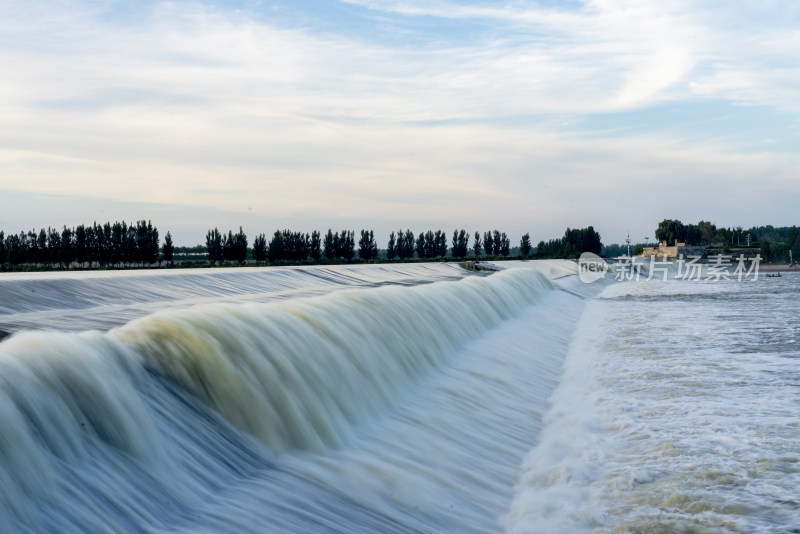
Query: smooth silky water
x,y
401,408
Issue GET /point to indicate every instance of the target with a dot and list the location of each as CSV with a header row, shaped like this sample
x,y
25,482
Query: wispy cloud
x,y
250,111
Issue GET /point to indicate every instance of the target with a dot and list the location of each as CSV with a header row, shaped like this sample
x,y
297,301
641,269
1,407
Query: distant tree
x,y
168,250
420,245
67,254
391,252
670,231
440,244
767,251
367,249
227,246
405,244
401,248
260,248
287,245
130,253
31,247
525,245
460,247
488,243
93,234
81,249
347,245
146,242
15,250
53,246
275,251
573,244
330,245
315,246
214,246
3,250
41,241
478,246
429,245
500,244
239,246
409,244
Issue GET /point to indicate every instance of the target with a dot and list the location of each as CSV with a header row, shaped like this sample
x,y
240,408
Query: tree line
x,y
774,243
706,233
298,247
109,244
122,244
575,242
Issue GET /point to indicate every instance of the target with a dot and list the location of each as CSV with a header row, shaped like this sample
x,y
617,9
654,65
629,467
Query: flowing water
x,y
679,411
397,398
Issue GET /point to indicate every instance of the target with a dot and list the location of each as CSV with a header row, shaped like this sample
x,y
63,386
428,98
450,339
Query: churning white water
x,y
679,411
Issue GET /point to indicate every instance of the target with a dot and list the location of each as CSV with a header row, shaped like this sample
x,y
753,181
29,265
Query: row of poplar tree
x,y
123,244
288,245
117,244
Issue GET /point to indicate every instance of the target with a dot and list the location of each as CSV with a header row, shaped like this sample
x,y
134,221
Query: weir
x,y
392,409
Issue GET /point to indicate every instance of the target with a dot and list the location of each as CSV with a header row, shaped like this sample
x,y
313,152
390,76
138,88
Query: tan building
x,y
663,250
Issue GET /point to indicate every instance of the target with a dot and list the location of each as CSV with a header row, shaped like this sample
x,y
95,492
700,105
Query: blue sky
x,y
523,116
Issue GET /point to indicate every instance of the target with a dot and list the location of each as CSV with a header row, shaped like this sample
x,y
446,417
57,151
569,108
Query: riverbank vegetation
x,y
118,245
774,244
122,245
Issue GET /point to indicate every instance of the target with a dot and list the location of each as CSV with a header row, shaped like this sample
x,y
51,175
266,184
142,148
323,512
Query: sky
x,y
525,116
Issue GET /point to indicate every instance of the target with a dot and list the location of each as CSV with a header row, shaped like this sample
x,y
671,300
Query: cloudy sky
x,y
521,115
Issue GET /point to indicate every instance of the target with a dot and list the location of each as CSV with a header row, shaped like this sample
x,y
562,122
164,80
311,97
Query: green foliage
x,y
168,250
440,244
214,246
488,243
573,244
82,246
339,246
767,251
706,233
287,245
239,247
329,245
501,244
367,249
260,248
405,244
525,246
478,245
391,251
460,245
315,251
420,245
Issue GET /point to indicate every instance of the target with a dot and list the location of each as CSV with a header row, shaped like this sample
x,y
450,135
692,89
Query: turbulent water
x,y
404,398
679,411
